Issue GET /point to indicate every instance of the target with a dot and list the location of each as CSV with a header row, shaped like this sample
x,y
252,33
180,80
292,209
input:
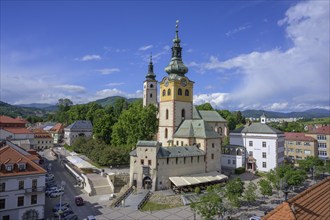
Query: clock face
x,y
183,82
166,82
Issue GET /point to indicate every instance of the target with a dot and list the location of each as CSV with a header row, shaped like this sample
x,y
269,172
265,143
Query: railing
x,y
144,200
35,189
124,196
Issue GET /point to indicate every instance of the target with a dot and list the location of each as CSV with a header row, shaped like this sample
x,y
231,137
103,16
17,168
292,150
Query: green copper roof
x,y
176,65
197,128
257,128
211,116
188,151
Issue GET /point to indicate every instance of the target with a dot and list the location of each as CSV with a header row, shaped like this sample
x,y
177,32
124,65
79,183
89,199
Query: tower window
x,y
150,95
179,91
166,132
169,92
151,86
166,114
183,114
186,93
164,92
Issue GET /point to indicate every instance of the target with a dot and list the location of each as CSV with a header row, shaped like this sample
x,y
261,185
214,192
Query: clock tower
x,y
176,95
150,86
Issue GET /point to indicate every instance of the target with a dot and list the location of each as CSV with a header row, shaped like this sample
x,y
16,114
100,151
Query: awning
x,y
196,179
79,162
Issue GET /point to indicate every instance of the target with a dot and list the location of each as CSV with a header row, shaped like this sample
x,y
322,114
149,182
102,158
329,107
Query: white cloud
x,y
115,84
108,71
217,100
147,47
209,87
300,75
236,30
116,92
89,57
71,88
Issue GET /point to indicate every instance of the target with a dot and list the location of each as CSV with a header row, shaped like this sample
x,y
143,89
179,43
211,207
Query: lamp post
x,y
285,189
60,209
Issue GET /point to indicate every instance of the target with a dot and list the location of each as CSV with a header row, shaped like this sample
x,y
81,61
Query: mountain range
x,y
40,109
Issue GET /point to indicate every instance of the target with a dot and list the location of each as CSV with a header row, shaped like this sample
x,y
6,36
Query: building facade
x,y
322,135
80,128
22,184
42,139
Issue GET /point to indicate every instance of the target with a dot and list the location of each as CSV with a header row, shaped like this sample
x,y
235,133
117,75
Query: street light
x,y
60,210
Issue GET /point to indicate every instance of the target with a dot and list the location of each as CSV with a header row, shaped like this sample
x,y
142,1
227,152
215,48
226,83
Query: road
x,y
70,191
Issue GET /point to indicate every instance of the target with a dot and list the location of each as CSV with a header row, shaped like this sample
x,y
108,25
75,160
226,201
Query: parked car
x,y
50,190
50,176
63,214
79,201
54,189
58,205
255,218
91,217
70,217
56,194
63,209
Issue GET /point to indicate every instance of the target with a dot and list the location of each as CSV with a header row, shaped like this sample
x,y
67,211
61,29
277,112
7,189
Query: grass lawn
x,y
150,206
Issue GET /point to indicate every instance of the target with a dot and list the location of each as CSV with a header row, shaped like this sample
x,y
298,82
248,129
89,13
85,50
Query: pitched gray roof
x,y
80,125
197,128
147,143
257,128
188,151
211,116
196,114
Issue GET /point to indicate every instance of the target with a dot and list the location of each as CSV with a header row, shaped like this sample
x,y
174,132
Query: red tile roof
x,y
18,130
39,133
296,136
321,130
57,128
313,203
8,155
6,119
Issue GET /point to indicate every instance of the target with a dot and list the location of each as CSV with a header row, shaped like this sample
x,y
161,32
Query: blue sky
x,y
271,55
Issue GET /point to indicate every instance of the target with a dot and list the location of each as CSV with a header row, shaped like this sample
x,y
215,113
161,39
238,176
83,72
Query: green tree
x,y
206,106
250,192
234,190
265,187
311,164
102,125
224,113
209,205
231,122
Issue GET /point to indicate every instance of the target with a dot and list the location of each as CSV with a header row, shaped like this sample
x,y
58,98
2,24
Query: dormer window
x,y
21,166
9,167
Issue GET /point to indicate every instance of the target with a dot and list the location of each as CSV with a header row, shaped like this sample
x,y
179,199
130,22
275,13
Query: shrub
x,y
197,190
240,170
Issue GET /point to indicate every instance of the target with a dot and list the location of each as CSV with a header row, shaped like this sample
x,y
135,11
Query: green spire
x,y
176,65
150,74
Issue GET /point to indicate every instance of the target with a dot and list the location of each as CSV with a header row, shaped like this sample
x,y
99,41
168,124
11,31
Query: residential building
x,y
22,184
232,157
264,145
322,135
313,203
18,122
80,128
298,146
42,139
57,132
187,150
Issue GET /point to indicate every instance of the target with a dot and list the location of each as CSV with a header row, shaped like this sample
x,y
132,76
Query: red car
x,y
79,201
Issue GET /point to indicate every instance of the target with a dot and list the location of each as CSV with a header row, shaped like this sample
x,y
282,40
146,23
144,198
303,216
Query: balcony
x,y
35,189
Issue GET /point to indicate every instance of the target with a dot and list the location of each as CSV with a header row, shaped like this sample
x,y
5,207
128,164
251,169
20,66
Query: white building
x,y
187,150
264,146
80,128
22,184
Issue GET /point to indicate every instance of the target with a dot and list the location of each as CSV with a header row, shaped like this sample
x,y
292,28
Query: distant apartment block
x,y
322,135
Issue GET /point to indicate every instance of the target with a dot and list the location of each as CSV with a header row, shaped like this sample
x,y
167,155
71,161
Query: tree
x,y
234,189
231,122
250,192
206,106
265,187
64,104
102,125
224,113
311,164
209,205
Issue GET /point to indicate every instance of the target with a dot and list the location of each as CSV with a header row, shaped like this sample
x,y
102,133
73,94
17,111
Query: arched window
x,y
179,91
151,86
183,114
166,132
169,92
166,116
186,93
164,92
219,130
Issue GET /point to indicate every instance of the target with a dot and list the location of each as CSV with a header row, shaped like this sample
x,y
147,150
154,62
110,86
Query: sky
x,y
269,55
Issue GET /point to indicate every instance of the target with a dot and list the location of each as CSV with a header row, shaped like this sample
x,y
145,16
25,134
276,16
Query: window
x,y
183,114
251,153
142,162
176,160
290,142
321,137
234,162
184,160
186,93
264,155
212,156
166,114
181,143
2,187
151,86
229,161
322,153
164,92
298,143
197,159
6,217
9,167
251,143
212,145
307,144
167,160
169,92
166,132
179,92
34,199
21,184
220,130
150,95
192,159
264,164
322,145
299,151
34,183
264,144
2,203
21,167
20,201
177,143
149,162
307,152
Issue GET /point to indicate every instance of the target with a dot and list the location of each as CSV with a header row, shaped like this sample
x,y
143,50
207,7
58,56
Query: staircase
x,y
99,184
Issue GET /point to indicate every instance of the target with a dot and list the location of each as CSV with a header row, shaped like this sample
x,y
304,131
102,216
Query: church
x,y
188,147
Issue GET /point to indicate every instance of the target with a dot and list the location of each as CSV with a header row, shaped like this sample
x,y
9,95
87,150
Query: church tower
x,y
176,95
150,86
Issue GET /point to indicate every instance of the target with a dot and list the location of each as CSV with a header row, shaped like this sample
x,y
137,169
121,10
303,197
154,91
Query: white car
x,y
91,217
56,194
